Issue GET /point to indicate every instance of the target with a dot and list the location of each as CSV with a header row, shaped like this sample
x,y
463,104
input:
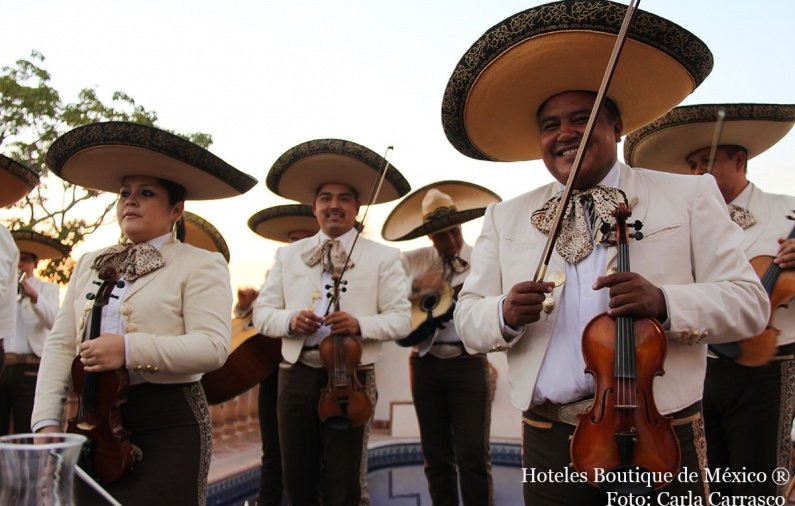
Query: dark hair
x,y
353,190
733,149
176,192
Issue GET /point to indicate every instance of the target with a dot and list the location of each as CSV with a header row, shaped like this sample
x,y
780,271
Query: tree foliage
x,y
32,116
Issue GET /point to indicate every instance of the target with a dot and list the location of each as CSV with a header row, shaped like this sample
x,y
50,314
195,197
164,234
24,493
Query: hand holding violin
x,y
343,323
104,353
785,257
523,304
633,295
305,322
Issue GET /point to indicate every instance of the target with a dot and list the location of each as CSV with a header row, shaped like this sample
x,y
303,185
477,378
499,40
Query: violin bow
x,y
713,150
88,480
552,238
373,195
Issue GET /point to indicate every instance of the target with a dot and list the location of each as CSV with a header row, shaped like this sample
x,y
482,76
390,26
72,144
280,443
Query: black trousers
x,y
270,482
171,425
453,405
17,391
748,418
545,450
321,465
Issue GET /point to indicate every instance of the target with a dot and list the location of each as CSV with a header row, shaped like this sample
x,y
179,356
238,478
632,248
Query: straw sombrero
x,y
40,245
100,155
16,181
490,104
198,232
299,172
436,207
277,222
665,143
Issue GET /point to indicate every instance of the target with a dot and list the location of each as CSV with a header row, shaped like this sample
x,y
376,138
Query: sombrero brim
x,y
299,172
100,155
43,247
490,104
16,181
406,222
276,223
202,234
664,144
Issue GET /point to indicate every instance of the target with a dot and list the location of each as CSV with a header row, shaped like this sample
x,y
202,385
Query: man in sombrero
x,y
16,181
322,462
286,224
36,307
450,387
748,391
524,91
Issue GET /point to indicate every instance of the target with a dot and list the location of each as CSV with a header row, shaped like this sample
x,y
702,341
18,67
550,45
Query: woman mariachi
x,y
166,325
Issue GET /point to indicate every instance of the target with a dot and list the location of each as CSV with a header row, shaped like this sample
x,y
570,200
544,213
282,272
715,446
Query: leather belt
x,y
567,413
447,350
310,356
21,358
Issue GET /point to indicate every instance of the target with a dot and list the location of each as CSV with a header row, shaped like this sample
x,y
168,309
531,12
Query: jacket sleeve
x,y
723,278
271,317
393,320
476,316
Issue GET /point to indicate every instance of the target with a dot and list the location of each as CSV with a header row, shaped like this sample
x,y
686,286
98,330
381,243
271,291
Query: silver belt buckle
x,y
444,351
568,412
311,358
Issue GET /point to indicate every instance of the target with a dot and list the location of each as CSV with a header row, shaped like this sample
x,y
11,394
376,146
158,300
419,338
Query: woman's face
x,y
143,211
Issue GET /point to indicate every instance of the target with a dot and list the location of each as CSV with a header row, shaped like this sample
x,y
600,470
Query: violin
x,y
780,287
343,403
108,454
623,431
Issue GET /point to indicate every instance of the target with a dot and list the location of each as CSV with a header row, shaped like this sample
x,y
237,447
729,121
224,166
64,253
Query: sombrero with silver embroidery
x,y
436,207
198,232
100,155
41,246
665,143
490,103
16,181
278,223
299,172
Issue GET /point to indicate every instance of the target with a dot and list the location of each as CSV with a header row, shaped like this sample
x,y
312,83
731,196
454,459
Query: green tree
x,y
32,116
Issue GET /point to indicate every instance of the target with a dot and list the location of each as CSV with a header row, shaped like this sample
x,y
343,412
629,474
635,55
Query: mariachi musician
x,y
322,463
748,394
687,272
16,181
164,325
450,386
37,304
286,224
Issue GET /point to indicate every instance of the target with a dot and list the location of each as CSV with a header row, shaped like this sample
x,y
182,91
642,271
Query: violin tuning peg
x,y
97,282
638,236
343,289
604,228
327,287
114,296
637,225
120,284
91,296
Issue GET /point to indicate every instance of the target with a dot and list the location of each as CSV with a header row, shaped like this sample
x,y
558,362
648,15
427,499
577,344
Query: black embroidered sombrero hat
x,y
194,230
490,103
436,207
16,181
100,155
40,245
300,171
665,143
279,223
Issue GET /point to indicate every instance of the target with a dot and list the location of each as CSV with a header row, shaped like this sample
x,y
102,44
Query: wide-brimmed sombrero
x,y
299,172
490,103
278,222
196,231
16,181
665,143
436,207
41,246
100,155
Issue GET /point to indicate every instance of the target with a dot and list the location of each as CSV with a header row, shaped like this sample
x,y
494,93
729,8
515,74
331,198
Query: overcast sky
x,y
264,76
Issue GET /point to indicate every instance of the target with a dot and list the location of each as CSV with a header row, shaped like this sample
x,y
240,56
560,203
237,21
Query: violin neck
x,y
624,366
